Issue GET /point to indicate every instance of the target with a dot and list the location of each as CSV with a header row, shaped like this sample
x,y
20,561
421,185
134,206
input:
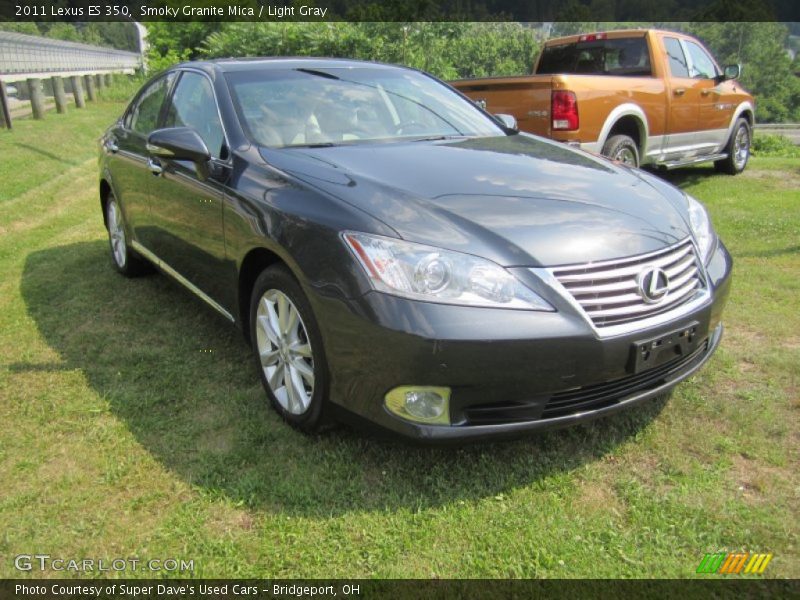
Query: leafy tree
x,y
26,27
446,49
171,43
475,49
123,36
766,65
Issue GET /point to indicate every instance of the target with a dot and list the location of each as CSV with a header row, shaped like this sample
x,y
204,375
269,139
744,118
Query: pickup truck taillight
x,y
564,110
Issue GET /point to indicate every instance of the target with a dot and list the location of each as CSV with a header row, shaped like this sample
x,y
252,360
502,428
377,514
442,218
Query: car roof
x,y
228,65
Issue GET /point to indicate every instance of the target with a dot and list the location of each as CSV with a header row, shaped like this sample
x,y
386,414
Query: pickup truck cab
x,y
636,96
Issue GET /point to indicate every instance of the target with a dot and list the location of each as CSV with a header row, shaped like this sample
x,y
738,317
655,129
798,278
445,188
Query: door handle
x,y
679,91
705,92
154,167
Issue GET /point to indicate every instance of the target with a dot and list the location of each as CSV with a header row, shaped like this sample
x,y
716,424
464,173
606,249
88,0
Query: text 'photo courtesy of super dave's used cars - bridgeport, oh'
x,y
400,258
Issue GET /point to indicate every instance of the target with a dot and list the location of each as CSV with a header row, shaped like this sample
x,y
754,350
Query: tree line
x,y
453,50
449,50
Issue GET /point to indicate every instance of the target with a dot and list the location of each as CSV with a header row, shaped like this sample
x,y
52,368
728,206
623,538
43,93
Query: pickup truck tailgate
x,y
527,98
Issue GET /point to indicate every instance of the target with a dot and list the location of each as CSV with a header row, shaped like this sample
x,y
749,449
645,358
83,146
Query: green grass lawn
x,y
134,424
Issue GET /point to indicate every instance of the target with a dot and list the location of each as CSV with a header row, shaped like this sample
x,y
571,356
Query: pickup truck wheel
x,y
622,149
737,148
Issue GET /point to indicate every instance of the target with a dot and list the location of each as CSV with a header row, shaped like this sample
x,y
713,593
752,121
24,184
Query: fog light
x,y
422,404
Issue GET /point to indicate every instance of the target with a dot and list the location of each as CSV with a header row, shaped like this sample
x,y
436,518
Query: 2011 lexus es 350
x,y
395,254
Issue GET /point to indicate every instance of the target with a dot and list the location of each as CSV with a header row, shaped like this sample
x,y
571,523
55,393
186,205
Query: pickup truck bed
x,y
638,96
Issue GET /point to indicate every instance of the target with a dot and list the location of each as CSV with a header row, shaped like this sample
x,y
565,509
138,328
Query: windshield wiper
x,y
314,145
318,73
435,138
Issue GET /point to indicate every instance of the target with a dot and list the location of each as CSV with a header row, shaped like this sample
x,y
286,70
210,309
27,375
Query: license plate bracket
x,y
655,351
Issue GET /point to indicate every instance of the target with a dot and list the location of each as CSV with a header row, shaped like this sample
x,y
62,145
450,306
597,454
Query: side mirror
x,y
732,72
178,143
507,121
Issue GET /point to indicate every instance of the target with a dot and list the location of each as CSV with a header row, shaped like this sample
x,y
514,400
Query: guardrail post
x,y
77,91
59,95
101,81
91,92
6,113
109,79
23,91
37,98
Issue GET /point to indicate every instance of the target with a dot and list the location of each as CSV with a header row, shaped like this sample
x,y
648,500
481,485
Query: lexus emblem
x,y
653,285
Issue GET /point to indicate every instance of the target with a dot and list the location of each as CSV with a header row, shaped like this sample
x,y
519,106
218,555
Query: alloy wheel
x,y
116,234
626,157
285,351
741,147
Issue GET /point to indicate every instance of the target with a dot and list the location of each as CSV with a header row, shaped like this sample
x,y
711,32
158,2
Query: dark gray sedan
x,y
397,256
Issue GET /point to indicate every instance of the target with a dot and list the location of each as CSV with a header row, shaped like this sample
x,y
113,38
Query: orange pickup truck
x,y
637,96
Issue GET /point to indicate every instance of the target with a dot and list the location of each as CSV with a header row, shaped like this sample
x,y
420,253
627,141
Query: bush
x,y
447,50
767,144
123,88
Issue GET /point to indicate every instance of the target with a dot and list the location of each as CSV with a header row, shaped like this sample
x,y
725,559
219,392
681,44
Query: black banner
x,y
401,10
265,589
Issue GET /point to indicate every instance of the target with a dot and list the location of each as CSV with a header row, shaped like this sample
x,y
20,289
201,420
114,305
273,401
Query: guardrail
x,y
39,65
25,56
791,131
777,125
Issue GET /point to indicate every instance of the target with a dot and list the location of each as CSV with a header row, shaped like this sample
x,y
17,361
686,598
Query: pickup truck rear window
x,y
620,57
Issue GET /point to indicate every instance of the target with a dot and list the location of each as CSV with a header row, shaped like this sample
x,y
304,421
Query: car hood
x,y
518,200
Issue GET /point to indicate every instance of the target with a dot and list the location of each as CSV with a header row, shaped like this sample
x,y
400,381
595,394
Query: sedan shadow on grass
x,y
184,384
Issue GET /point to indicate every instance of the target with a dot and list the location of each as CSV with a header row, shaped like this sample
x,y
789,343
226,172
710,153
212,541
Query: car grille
x,y
583,399
609,291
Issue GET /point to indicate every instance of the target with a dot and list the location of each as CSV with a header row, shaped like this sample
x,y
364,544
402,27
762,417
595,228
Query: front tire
x,y
288,350
622,148
124,259
737,148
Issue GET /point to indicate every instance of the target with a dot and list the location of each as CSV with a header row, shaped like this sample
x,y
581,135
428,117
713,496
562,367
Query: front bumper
x,y
510,372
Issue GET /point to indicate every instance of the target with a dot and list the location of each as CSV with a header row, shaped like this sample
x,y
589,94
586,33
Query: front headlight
x,y
701,226
435,275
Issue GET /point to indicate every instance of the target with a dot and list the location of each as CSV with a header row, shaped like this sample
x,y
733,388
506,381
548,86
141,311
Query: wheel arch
x,y
626,119
748,113
744,110
105,192
253,264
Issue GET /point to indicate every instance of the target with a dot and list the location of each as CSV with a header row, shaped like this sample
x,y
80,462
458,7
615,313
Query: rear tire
x,y
287,346
123,257
622,148
738,149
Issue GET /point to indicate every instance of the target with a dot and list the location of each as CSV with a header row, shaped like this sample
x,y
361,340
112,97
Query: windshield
x,y
302,107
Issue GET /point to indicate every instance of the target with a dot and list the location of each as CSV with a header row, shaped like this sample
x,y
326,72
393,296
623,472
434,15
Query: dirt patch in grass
x,y
61,468
785,179
52,199
594,497
755,481
218,441
226,521
792,343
